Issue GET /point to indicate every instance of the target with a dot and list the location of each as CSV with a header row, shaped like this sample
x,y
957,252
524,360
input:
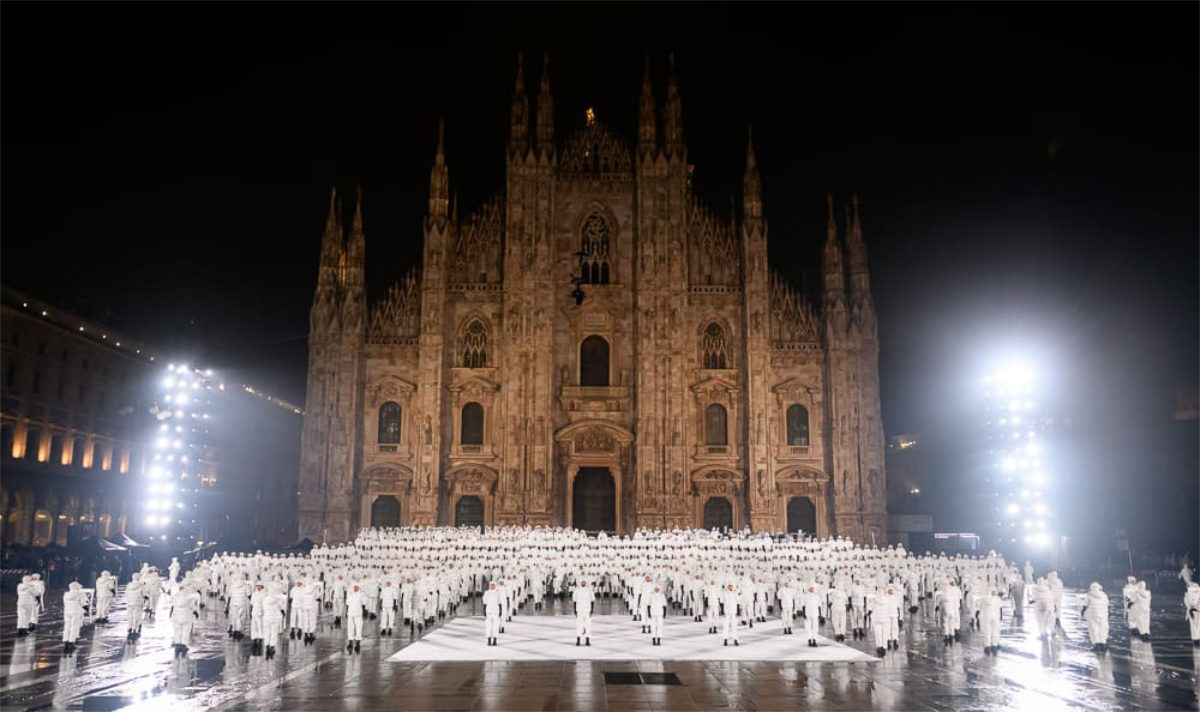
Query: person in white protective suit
x,y
151,590
811,603
26,604
274,616
858,609
257,609
1016,592
1191,608
308,600
39,593
712,605
787,605
238,603
1141,610
641,592
1056,592
388,595
106,590
74,599
406,602
1043,609
990,604
656,607
492,610
880,610
839,603
133,607
173,569
1127,596
1095,614
298,592
185,611
584,599
948,603
355,601
729,620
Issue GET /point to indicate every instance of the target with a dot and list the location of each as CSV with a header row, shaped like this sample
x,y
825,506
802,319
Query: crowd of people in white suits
x,y
726,583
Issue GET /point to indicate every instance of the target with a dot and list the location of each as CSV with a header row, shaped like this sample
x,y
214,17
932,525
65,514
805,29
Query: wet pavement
x,y
1028,674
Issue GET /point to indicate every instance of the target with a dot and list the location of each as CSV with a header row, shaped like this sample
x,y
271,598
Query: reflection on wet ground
x,y
1029,674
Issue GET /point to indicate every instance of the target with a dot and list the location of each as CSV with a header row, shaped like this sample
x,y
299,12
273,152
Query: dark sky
x,y
1027,172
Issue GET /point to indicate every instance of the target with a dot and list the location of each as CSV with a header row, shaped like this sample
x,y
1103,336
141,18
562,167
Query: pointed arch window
x,y
716,425
472,424
797,425
593,361
594,250
475,342
389,423
716,350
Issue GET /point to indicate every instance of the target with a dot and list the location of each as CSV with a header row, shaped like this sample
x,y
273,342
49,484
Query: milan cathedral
x,y
594,348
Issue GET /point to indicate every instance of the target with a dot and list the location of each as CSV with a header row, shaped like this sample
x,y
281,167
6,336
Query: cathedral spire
x,y
751,182
356,246
646,114
545,110
354,302
856,247
673,123
331,242
831,262
439,178
519,133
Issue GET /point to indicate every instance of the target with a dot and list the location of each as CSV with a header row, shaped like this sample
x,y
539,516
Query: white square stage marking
x,y
618,637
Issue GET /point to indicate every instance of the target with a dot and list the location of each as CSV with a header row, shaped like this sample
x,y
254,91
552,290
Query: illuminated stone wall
x,y
684,299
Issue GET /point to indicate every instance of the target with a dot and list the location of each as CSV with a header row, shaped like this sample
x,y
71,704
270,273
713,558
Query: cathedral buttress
x,y
322,343
431,413
760,488
869,427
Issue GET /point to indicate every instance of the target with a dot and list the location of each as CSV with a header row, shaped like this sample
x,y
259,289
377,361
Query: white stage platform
x,y
617,637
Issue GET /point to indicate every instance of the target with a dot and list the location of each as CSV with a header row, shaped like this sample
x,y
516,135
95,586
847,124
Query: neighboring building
x,y
79,443
691,386
72,439
910,517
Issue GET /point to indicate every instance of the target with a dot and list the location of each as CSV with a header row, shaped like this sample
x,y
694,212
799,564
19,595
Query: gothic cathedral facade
x,y
593,348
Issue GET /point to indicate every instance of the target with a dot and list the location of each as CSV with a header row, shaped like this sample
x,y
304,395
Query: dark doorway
x,y
718,513
385,512
472,424
468,512
595,500
802,516
593,361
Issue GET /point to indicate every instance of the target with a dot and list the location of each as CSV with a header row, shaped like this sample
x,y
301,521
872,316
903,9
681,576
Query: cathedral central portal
x,y
594,500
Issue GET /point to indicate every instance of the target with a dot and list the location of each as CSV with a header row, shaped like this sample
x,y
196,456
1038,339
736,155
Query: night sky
x,y
1027,174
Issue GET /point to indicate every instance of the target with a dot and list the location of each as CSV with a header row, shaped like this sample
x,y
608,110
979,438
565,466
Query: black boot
x,y
577,643
358,646
587,641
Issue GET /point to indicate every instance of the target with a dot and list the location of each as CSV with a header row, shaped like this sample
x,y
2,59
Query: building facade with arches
x,y
692,385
